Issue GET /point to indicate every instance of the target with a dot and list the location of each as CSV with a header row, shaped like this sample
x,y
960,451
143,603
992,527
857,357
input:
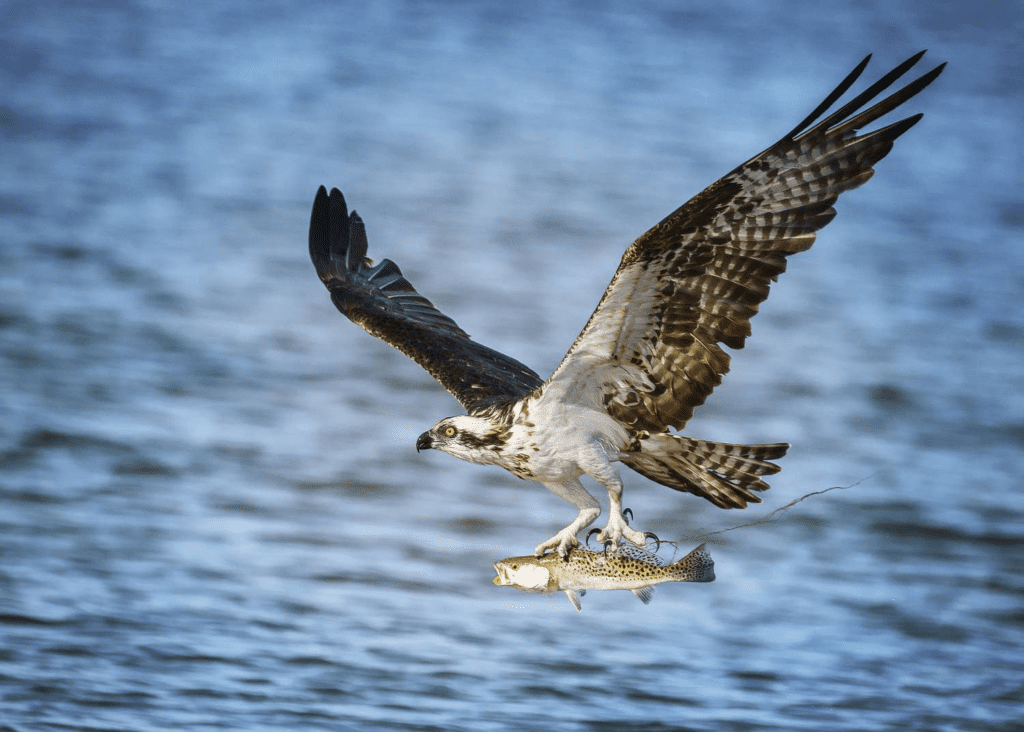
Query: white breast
x,y
562,440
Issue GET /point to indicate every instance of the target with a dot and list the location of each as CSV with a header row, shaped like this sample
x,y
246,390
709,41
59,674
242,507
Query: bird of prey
x,y
652,350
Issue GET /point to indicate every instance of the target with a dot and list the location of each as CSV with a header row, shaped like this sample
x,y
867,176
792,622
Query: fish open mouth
x,y
525,576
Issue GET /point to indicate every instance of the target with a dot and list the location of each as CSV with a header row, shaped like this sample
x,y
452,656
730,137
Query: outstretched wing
x,y
382,301
651,352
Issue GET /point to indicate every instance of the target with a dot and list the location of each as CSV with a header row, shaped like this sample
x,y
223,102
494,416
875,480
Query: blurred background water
x,y
212,515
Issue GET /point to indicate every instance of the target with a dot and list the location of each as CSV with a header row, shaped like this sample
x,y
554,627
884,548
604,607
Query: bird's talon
x,y
630,512
652,535
591,533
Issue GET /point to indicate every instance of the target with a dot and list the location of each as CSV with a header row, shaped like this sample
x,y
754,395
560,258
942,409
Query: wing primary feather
x,y
338,223
319,232
831,99
874,90
889,103
357,245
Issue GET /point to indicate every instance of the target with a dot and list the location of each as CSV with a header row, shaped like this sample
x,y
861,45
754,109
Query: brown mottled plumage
x,y
652,350
711,261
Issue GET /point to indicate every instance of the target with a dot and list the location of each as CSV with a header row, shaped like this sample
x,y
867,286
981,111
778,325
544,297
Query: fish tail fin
x,y
697,566
722,473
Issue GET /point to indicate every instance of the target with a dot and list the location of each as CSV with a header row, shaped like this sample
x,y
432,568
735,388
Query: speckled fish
x,y
624,568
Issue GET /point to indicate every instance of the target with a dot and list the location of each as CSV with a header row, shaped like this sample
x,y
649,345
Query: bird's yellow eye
x,y
449,431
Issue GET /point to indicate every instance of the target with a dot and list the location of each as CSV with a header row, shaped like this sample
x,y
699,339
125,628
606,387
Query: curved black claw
x,y
652,535
630,512
606,545
591,533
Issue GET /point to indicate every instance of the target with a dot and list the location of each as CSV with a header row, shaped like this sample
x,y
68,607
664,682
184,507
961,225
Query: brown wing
x,y
651,352
386,305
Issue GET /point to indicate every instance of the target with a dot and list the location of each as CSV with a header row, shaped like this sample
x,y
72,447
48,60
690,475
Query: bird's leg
x,y
565,540
617,527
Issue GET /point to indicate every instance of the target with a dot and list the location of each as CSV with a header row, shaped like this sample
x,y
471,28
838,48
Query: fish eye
x,y
449,431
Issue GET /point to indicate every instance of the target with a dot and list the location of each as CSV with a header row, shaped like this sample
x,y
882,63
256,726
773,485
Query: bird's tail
x,y
724,474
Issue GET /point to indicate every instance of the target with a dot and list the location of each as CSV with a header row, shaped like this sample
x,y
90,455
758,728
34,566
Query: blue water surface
x,y
212,514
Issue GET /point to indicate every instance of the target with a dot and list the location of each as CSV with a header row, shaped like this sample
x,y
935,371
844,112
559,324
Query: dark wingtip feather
x,y
338,225
887,80
357,243
839,117
831,99
319,232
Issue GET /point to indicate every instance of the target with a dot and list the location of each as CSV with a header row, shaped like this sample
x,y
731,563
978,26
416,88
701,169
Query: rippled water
x,y
212,515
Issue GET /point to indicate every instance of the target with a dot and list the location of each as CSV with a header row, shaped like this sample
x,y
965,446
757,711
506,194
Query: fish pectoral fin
x,y
646,594
574,597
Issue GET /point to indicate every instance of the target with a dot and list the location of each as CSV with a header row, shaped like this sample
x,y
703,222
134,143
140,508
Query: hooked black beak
x,y
424,442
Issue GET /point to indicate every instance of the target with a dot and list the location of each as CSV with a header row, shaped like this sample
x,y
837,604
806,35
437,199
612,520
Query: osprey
x,y
652,350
